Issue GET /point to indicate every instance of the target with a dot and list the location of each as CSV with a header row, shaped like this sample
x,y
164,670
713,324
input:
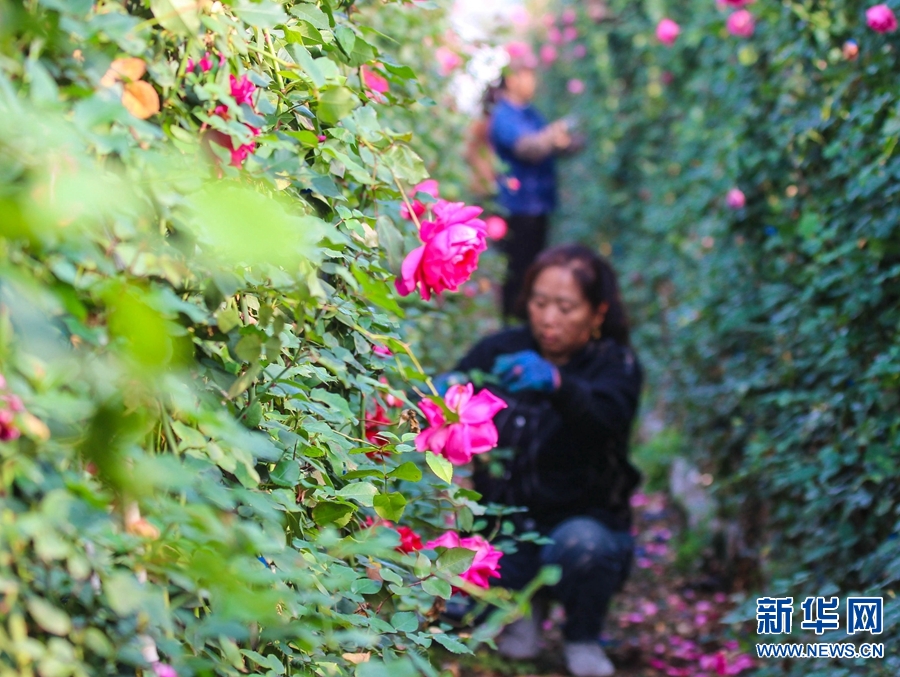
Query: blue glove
x,y
526,370
442,382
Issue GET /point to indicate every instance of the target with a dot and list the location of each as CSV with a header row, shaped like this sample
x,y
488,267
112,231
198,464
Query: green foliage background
x,y
769,333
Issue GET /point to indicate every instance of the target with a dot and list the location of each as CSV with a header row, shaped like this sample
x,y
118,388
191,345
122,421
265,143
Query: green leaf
x,y
408,471
286,473
405,163
346,38
454,561
437,587
390,506
265,14
312,14
329,512
179,16
50,618
335,103
450,643
405,621
440,466
362,492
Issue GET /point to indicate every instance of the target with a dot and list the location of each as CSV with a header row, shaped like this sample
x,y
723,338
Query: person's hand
x,y
560,135
442,382
526,370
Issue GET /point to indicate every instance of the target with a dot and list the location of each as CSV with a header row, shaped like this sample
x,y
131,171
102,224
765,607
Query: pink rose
x,y
8,429
164,670
513,183
741,23
735,199
495,227
428,186
447,59
578,51
382,350
242,90
205,64
520,53
487,558
667,32
373,81
881,19
520,17
734,3
570,34
554,36
410,541
238,153
575,86
568,16
449,255
473,433
548,54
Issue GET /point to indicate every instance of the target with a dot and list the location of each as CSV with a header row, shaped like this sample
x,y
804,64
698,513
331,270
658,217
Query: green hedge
x,y
769,332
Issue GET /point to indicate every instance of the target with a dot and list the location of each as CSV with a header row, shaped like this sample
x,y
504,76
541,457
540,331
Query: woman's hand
x,y
526,370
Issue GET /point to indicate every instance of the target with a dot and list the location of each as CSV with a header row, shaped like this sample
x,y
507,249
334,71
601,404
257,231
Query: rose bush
x,y
768,332
199,231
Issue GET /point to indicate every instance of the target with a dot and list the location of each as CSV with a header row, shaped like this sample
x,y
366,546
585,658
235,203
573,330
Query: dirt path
x,y
661,625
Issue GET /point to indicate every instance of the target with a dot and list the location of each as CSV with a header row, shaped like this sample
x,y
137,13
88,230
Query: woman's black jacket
x,y
570,447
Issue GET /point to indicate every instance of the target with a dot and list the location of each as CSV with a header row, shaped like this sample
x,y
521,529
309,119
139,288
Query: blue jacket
x,y
535,193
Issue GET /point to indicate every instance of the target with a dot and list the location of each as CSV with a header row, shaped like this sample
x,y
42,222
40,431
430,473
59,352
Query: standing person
x,y
527,145
572,384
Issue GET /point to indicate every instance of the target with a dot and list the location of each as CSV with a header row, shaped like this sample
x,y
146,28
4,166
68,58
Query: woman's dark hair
x,y
492,95
596,279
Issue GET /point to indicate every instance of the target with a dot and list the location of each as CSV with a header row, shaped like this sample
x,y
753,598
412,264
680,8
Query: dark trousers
x,y
595,561
526,238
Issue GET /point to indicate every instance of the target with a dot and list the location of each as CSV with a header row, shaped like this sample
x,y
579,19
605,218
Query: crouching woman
x,y
572,383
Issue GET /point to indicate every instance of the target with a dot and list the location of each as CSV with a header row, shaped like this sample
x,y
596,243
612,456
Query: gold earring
x,y
596,333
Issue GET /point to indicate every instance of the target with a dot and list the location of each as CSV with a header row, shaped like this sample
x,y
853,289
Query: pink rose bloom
x,y
487,558
14,402
474,433
568,16
410,541
495,227
734,3
554,36
575,86
520,17
374,81
578,51
735,199
428,186
238,153
881,19
570,34
164,670
449,255
667,32
548,54
205,64
447,59
513,183
741,23
242,90
382,350
9,431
